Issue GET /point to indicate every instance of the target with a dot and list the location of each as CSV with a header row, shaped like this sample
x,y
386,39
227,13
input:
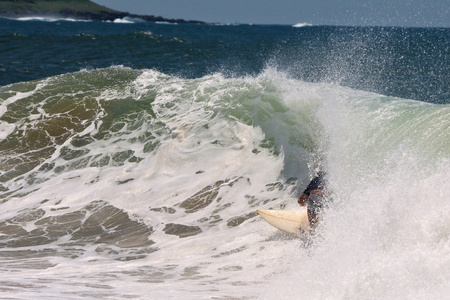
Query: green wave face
x,y
129,166
113,116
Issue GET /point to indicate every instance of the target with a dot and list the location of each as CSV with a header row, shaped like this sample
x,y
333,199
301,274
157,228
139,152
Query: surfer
x,y
314,197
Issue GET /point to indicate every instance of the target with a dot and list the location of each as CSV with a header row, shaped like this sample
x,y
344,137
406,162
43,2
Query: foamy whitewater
x,y
159,202
142,180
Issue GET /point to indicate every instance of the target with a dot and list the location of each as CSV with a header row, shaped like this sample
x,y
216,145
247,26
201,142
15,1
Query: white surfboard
x,y
291,222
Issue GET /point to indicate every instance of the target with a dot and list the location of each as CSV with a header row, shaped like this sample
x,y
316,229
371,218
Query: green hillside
x,y
76,9
83,9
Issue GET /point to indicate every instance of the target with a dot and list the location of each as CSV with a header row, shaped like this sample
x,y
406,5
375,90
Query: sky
x,y
409,13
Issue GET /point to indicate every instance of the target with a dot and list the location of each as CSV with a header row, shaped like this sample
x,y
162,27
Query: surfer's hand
x,y
302,199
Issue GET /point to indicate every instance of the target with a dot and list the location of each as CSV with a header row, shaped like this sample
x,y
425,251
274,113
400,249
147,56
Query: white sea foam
x,y
7,128
298,25
123,21
386,235
50,19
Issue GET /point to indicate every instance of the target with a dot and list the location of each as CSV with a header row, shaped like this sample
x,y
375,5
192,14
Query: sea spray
x,y
133,158
153,180
386,233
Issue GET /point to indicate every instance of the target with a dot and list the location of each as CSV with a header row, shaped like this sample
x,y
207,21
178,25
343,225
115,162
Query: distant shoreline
x,y
83,10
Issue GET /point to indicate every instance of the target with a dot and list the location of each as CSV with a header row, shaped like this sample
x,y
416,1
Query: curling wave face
x,y
143,177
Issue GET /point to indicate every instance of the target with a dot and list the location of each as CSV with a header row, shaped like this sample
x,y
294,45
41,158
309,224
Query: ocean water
x,y
134,156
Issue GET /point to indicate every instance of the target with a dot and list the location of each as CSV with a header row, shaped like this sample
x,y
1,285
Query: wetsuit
x,y
315,202
317,183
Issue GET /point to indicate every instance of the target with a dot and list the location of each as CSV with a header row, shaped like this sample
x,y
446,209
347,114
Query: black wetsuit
x,y
315,202
317,183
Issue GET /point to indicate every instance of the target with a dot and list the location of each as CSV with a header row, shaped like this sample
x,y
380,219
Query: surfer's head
x,y
321,173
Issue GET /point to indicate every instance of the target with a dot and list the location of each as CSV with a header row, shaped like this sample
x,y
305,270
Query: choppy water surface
x,y
136,174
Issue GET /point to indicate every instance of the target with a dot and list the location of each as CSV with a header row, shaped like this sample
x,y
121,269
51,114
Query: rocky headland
x,y
73,9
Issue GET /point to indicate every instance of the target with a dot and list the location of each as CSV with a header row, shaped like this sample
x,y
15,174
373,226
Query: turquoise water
x,y
133,158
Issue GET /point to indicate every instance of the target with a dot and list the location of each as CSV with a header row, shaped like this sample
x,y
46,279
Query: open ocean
x,y
133,157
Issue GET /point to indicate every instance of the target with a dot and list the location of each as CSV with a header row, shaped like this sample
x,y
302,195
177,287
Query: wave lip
x,y
143,164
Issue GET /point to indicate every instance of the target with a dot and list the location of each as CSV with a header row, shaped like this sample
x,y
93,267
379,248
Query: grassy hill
x,y
79,9
76,9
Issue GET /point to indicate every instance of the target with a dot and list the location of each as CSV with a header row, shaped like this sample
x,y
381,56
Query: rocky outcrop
x,y
73,9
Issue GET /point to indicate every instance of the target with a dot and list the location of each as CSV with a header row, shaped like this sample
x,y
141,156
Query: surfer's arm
x,y
304,196
318,192
302,199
